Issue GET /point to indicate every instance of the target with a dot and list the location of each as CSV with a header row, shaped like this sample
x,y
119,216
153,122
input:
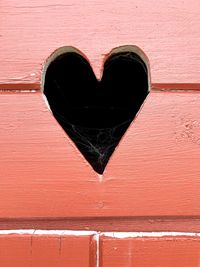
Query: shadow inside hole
x,y
95,114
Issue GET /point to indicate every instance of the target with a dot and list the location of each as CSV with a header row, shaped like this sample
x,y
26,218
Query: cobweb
x,y
96,144
94,114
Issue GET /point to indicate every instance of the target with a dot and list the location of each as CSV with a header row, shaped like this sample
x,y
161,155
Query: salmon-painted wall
x,y
152,182
168,31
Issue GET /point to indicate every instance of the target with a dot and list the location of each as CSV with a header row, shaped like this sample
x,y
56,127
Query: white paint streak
x,y
96,234
18,232
48,232
100,176
97,239
46,102
18,90
148,234
77,233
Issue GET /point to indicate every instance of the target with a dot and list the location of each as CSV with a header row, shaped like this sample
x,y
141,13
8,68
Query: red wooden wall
x,y
152,181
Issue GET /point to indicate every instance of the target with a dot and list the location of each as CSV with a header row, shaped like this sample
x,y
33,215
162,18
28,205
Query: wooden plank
x,y
153,172
168,31
47,248
15,250
79,251
152,251
63,250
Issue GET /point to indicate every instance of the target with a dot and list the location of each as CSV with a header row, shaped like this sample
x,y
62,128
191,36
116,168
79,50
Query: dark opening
x,y
95,114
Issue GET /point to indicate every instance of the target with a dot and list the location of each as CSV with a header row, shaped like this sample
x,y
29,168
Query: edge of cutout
x,y
121,49
124,48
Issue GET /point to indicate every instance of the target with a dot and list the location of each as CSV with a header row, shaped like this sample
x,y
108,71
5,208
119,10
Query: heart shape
x,y
95,114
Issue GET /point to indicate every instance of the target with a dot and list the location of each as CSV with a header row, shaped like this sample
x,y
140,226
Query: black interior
x,y
95,114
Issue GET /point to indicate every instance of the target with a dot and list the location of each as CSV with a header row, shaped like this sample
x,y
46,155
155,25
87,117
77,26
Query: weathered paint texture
x,y
47,249
176,251
152,180
89,249
153,172
168,31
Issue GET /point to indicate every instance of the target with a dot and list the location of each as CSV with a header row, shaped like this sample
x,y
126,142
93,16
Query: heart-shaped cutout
x,y
95,114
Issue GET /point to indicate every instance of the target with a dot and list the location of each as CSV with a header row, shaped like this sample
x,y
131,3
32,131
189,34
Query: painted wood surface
x,y
153,172
168,32
176,251
50,249
152,180
37,248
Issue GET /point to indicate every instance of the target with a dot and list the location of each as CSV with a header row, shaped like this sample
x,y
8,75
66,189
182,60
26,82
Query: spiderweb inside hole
x,y
96,114
96,144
